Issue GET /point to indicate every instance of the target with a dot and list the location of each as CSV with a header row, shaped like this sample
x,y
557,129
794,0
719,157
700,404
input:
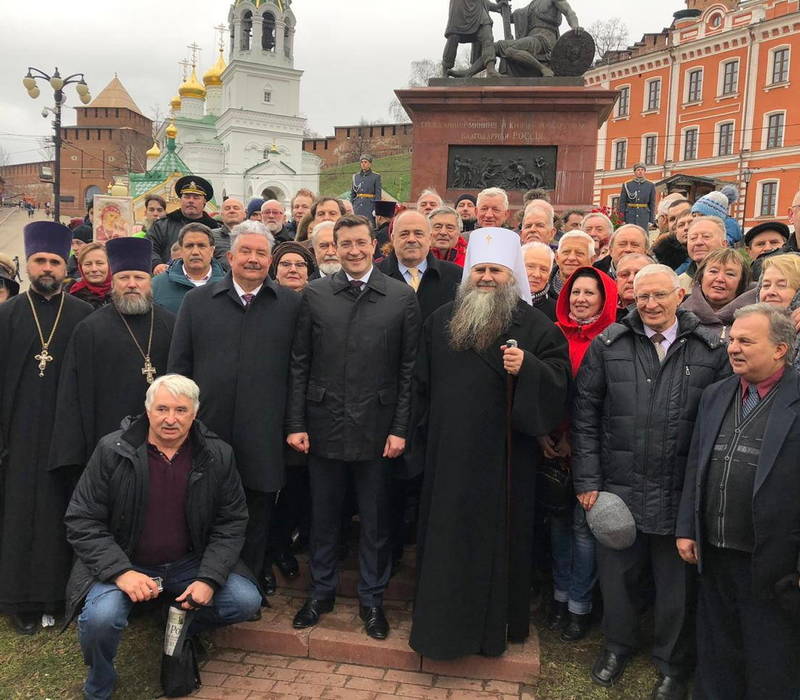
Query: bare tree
x,y
157,115
4,157
609,35
358,143
47,149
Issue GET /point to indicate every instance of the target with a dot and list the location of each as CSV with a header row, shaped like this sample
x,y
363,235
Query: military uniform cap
x,y
192,184
366,156
636,166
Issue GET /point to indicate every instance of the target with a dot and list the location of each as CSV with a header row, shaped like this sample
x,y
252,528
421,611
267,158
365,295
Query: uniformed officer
x,y
366,189
637,200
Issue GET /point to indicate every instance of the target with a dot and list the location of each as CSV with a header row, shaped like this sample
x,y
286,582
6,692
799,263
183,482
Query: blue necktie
x,y
751,400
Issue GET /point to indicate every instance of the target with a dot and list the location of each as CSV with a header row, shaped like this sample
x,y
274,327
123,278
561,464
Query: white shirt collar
x,y
364,279
201,281
240,292
669,335
404,269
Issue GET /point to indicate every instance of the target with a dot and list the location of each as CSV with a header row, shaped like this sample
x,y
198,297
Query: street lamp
x,y
58,84
747,175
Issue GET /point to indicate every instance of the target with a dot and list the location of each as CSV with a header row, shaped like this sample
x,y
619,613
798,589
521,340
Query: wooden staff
x,y
509,408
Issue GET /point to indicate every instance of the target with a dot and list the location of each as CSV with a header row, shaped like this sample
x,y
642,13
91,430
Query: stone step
x,y
401,585
340,638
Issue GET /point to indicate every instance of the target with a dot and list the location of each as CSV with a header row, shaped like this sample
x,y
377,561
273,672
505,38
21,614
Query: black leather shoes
x,y
287,564
557,616
309,614
670,688
608,668
375,622
26,623
268,582
577,627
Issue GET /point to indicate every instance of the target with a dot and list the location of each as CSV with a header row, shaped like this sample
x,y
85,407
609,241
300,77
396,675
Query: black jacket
x,y
776,492
438,285
352,364
164,233
240,359
104,517
633,418
604,265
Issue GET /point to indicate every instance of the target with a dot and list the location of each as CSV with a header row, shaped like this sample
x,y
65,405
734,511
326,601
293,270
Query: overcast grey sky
x,y
353,52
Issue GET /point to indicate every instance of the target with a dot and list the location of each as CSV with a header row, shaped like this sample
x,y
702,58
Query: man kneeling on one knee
x,y
159,498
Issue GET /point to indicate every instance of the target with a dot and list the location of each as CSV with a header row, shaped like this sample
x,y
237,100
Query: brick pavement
x,y
237,675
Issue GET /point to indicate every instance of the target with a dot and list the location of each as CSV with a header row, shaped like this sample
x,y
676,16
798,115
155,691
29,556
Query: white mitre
x,y
498,246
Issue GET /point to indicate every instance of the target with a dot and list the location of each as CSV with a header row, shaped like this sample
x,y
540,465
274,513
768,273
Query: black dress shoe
x,y
375,622
557,616
608,668
26,623
670,688
268,582
309,614
577,627
287,564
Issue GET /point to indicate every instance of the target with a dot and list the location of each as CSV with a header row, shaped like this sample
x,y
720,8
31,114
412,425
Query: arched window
x,y
268,32
91,191
287,41
247,30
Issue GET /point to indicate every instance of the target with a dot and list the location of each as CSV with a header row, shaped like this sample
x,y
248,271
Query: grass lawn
x,y
395,172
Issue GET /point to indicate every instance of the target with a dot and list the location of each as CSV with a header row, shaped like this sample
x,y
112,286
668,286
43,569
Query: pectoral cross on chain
x,y
44,357
148,370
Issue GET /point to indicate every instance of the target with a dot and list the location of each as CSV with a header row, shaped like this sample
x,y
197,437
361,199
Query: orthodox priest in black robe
x,y
34,554
105,375
473,569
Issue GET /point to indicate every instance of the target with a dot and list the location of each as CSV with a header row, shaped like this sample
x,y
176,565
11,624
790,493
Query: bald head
x,y
411,237
233,212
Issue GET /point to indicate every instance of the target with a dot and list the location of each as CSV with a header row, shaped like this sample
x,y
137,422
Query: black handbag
x,y
554,490
180,674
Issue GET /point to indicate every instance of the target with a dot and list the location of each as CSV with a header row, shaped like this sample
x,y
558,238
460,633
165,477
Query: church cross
x,y
44,357
185,63
488,238
194,48
221,28
148,370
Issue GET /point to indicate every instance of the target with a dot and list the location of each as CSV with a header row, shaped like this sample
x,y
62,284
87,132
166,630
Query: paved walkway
x,y
12,221
237,675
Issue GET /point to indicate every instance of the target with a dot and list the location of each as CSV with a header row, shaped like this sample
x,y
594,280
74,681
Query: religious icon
x,y
113,217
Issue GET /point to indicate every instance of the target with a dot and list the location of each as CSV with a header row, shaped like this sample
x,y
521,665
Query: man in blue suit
x,y
739,518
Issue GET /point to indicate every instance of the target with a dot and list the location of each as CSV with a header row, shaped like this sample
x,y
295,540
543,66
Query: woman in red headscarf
x,y
94,286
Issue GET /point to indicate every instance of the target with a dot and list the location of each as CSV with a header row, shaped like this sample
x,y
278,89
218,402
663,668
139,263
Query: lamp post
x,y
58,84
747,174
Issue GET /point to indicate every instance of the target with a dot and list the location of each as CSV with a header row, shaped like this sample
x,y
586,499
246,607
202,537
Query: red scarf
x,y
99,290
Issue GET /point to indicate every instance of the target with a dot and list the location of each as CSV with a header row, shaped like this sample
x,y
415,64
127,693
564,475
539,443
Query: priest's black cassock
x,y
102,380
466,590
34,554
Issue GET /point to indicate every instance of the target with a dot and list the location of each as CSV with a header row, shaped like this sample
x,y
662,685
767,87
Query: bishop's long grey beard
x,y
480,317
132,304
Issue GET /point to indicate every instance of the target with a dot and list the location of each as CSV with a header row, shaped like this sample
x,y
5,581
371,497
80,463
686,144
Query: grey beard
x,y
330,268
45,285
479,318
132,304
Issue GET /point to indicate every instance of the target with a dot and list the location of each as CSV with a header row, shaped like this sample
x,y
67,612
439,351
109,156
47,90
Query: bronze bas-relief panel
x,y
514,168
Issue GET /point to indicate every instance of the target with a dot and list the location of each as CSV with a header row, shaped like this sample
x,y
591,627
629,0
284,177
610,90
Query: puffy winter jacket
x,y
632,418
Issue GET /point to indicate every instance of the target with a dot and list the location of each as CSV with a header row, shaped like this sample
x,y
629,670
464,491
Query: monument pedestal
x,y
518,134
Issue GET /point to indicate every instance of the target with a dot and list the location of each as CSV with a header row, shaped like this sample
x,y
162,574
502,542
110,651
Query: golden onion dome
x,y
175,103
192,87
213,75
172,131
154,152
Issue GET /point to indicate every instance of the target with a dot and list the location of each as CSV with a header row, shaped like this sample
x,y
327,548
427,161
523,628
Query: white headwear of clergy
x,y
498,246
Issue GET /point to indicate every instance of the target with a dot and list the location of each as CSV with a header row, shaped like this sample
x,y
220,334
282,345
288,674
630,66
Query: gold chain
x,y
44,356
145,356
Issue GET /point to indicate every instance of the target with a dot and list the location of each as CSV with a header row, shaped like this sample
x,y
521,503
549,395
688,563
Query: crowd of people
x,y
182,412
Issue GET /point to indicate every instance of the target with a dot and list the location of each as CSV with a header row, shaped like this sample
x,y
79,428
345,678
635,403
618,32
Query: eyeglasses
x,y
656,296
286,265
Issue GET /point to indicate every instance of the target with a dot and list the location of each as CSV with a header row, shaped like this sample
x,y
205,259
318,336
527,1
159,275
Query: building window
x,y
730,77
695,89
690,143
780,65
769,196
725,140
650,149
775,130
620,154
623,102
653,94
267,96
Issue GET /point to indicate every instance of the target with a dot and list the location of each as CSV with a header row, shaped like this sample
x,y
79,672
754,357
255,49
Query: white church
x,y
241,127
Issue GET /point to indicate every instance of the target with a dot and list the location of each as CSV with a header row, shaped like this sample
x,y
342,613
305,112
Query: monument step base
x,y
340,637
401,585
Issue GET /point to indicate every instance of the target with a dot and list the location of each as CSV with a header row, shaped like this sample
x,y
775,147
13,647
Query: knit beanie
x,y
717,204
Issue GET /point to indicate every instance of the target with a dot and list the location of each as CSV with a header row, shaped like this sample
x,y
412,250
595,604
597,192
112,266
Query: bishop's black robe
x,y
102,380
34,554
466,591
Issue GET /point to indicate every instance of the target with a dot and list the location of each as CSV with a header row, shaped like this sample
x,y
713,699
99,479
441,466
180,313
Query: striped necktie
x,y
415,279
657,341
751,399
247,299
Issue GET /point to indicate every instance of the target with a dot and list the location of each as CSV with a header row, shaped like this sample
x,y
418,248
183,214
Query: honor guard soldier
x,y
366,189
637,200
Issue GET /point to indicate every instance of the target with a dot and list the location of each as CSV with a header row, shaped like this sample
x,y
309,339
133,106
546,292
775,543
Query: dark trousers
x,y
620,575
329,480
747,648
259,508
404,497
292,512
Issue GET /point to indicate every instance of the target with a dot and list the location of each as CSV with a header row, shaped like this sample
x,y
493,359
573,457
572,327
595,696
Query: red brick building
x,y
349,142
111,138
710,96
31,182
